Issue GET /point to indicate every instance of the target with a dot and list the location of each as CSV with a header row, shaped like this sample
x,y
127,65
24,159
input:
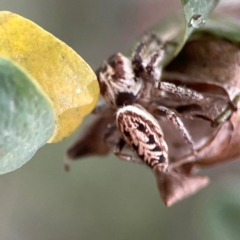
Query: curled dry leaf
x,y
211,66
174,186
95,132
213,61
63,75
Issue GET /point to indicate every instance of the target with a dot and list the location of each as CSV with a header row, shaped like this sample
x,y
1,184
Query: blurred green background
x,y
105,198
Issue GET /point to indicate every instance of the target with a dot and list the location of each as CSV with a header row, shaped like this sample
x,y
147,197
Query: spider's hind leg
x,y
124,156
178,125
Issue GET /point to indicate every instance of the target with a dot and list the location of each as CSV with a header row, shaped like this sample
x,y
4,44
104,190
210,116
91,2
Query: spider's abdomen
x,y
141,131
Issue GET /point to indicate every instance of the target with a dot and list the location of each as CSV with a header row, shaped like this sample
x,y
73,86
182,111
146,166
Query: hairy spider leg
x,y
183,93
232,101
124,156
198,98
178,124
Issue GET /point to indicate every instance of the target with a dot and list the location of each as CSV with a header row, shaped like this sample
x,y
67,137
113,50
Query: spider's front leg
x,y
208,108
227,95
183,93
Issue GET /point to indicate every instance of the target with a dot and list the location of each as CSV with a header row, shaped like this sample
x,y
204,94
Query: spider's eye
x,y
118,62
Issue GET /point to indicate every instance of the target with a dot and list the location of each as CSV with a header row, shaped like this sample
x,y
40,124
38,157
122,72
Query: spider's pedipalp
x,y
153,68
137,60
147,57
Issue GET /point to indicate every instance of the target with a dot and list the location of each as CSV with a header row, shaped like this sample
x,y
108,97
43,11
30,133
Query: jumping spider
x,y
132,88
124,81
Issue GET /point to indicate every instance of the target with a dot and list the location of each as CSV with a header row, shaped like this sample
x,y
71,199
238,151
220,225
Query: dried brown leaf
x,y
212,60
175,186
91,140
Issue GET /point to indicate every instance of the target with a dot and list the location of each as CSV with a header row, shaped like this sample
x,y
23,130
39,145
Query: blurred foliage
x,y
27,119
221,211
224,27
65,78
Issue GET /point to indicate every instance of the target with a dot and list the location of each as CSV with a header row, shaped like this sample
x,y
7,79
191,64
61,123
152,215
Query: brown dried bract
x,y
175,186
95,132
213,62
214,65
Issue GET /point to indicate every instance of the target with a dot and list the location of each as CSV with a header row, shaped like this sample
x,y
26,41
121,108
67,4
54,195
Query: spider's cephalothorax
x,y
143,134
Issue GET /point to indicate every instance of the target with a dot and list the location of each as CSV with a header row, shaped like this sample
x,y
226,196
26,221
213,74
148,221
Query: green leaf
x,y
27,118
178,28
223,27
196,13
64,76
